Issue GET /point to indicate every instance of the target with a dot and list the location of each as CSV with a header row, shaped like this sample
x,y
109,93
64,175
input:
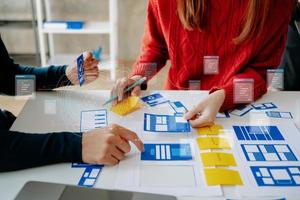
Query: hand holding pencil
x,y
125,87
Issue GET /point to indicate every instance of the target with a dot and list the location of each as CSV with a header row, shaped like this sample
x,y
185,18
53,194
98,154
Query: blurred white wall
x,y
131,13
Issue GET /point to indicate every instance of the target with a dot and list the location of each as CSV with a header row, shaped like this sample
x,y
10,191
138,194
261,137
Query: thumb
x,y
87,55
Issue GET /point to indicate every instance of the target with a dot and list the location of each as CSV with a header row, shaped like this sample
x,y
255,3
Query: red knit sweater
x,y
165,38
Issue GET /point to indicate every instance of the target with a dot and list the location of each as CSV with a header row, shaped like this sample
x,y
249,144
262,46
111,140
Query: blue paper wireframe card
x,y
167,152
165,123
282,176
92,119
80,69
178,107
82,165
154,99
268,152
260,133
264,106
276,114
241,110
90,175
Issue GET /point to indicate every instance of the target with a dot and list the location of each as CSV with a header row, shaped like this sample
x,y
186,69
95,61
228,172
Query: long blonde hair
x,y
193,14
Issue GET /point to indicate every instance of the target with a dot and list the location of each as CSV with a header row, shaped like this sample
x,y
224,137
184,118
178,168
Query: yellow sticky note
x,y
217,159
217,176
213,143
204,131
216,129
127,106
210,130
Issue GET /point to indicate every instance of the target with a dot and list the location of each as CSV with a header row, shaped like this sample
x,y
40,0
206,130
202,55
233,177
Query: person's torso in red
x,y
187,49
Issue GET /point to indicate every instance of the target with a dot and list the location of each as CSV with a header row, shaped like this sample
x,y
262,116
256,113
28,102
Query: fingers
x,y
87,55
121,144
128,135
119,88
136,91
191,113
202,120
116,153
113,93
89,61
110,160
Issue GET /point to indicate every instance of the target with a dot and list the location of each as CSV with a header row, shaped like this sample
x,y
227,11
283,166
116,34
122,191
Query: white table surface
x,y
69,104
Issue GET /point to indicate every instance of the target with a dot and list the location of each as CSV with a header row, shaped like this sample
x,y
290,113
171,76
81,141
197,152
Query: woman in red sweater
x,y
215,42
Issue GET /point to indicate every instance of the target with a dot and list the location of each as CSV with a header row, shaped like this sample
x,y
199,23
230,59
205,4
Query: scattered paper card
x,y
154,99
89,176
275,114
211,130
212,159
242,110
264,106
218,176
92,119
167,152
127,106
213,143
166,123
178,107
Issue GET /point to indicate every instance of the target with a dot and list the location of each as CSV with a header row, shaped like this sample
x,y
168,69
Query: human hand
x,y
205,112
108,145
121,85
91,71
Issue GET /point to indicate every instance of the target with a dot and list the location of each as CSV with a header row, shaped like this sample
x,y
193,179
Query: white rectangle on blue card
x,y
167,152
264,106
92,119
279,176
276,114
241,110
89,176
165,123
268,152
154,99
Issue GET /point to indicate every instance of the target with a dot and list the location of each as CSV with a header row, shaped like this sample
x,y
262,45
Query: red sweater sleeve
x,y
267,55
154,48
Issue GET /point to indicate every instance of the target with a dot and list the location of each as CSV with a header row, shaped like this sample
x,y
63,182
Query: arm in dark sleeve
x,y
47,78
21,150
